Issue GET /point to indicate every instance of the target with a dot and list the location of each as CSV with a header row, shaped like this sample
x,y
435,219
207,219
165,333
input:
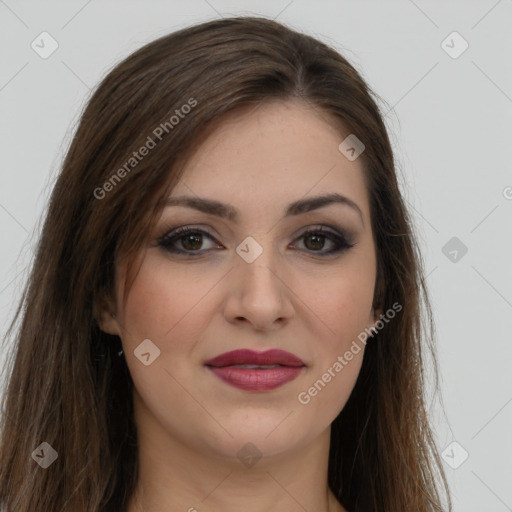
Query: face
x,y
299,281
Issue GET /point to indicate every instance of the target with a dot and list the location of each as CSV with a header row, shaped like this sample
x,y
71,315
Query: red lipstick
x,y
256,371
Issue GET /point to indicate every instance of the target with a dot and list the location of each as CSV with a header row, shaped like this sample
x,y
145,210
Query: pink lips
x,y
256,371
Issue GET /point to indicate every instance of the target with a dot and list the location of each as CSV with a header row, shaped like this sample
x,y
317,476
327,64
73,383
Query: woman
x,y
224,311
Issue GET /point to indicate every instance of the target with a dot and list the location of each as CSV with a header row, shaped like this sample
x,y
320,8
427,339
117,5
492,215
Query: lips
x,y
255,359
256,371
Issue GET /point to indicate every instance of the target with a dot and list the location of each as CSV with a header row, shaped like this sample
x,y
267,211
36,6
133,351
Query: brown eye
x,y
189,241
314,241
318,241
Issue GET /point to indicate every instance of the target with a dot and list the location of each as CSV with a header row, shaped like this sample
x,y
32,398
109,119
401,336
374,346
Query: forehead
x,y
271,155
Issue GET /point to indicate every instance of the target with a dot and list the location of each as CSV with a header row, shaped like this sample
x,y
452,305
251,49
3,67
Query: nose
x,y
258,294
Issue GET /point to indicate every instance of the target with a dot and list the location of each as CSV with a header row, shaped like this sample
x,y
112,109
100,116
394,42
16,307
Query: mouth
x,y
256,371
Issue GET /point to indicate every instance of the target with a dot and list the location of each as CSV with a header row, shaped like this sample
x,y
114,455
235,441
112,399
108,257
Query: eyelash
x,y
167,240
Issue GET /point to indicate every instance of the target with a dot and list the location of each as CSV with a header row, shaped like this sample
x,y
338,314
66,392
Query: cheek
x,y
340,302
164,302
343,311
163,306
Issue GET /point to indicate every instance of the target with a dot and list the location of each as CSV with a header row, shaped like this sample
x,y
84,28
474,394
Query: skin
x,y
190,423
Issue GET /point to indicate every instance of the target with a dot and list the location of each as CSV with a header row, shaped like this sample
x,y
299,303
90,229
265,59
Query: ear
x,y
104,314
378,298
375,315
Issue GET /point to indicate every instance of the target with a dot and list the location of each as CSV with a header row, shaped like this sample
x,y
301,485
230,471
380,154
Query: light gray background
x,y
451,130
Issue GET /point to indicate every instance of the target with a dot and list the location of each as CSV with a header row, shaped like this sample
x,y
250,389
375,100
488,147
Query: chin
x,y
265,436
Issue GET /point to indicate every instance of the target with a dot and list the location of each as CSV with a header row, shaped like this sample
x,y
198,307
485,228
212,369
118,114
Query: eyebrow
x,y
213,207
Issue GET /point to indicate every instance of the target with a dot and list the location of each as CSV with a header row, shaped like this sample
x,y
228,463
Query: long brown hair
x,y
68,388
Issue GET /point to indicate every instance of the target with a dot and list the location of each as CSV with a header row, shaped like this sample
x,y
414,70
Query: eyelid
x,y
336,226
170,231
326,227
